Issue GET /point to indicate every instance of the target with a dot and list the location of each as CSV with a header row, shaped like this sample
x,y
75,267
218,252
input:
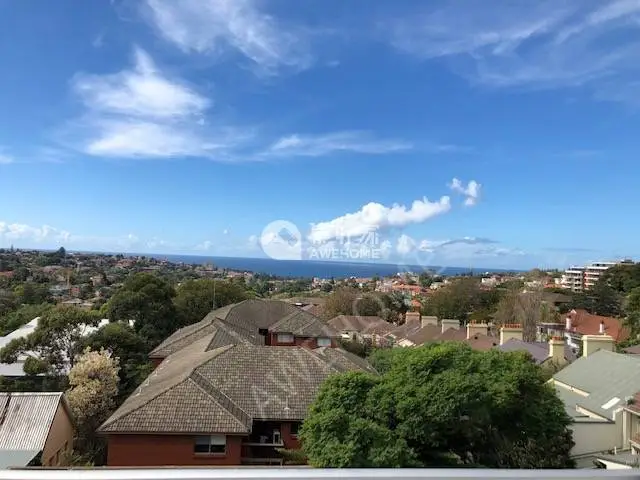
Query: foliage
x,y
93,388
129,348
622,278
362,349
457,299
439,405
24,314
53,340
340,302
196,298
32,293
148,301
525,308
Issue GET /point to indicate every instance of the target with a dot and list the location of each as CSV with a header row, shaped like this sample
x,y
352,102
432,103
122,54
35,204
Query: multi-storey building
x,y
578,279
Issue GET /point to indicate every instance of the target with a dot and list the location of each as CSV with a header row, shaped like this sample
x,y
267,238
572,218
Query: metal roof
x,y
25,419
604,376
16,458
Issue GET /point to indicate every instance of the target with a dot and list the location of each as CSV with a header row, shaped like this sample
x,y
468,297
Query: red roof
x,y
585,323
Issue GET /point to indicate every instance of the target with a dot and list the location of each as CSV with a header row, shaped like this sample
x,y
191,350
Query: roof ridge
x,y
320,359
113,418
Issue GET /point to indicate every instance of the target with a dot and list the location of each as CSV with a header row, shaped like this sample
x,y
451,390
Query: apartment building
x,y
578,279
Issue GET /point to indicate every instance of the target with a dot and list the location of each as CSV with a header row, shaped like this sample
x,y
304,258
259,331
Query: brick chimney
x,y
556,350
412,318
448,323
567,324
476,328
509,331
593,343
601,329
429,320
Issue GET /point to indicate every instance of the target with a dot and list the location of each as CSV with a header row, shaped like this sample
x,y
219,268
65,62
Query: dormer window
x,y
285,338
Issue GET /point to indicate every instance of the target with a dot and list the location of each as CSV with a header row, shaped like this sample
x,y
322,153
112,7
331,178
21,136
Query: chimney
x,y
601,330
556,350
412,318
429,320
593,343
448,323
474,329
567,325
509,331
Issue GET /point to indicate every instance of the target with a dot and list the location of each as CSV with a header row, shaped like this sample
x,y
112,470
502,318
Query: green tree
x,y
196,298
93,388
30,293
53,341
340,302
125,345
148,301
24,314
440,405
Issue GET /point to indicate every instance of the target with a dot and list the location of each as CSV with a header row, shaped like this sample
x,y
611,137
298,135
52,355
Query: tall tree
x,y
148,301
53,341
525,308
195,298
440,405
93,388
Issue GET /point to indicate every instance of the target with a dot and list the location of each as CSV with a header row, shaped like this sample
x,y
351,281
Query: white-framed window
x,y
211,444
285,338
324,342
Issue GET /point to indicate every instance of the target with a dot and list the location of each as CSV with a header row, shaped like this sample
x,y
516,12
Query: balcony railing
x,y
297,473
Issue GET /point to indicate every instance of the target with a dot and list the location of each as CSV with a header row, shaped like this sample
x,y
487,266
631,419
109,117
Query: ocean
x,y
317,268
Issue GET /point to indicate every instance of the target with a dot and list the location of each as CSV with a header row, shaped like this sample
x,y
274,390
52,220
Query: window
x,y
295,427
285,338
324,342
211,444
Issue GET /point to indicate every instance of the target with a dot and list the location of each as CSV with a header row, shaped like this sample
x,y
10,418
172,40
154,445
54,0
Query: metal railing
x,y
285,473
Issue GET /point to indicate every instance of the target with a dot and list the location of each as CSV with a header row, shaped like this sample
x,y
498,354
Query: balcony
x,y
297,473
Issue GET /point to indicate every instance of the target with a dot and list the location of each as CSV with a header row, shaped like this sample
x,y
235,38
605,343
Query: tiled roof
x,y
303,324
538,350
482,342
28,418
605,376
424,334
585,323
358,323
452,334
224,390
240,324
403,331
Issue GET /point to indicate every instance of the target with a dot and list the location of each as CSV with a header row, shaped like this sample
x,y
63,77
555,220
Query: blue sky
x,y
464,134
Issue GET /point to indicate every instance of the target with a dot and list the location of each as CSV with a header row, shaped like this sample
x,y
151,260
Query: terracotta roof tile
x,y
585,323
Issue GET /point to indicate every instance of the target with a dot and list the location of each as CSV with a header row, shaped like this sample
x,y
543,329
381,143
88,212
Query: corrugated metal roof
x,y
27,419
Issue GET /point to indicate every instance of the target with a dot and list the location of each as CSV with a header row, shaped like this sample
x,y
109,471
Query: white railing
x,y
270,473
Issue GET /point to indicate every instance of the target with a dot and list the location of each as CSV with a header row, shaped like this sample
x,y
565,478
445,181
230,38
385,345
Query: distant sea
x,y
316,268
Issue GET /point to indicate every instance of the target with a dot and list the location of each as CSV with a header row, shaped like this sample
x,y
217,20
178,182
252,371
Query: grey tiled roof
x,y
303,324
343,360
240,323
224,390
357,323
604,376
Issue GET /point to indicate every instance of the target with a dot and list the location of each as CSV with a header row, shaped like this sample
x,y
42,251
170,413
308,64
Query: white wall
x,y
596,437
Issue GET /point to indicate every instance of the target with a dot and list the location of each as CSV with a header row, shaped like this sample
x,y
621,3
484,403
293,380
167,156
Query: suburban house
x,y
579,323
598,391
35,429
362,328
232,389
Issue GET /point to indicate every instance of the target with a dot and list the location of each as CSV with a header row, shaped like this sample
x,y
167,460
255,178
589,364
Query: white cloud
x,y
211,26
405,244
548,44
324,144
225,232
375,216
141,92
471,191
5,159
141,113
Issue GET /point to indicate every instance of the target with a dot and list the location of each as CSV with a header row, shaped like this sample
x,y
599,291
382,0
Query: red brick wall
x,y
166,450
290,441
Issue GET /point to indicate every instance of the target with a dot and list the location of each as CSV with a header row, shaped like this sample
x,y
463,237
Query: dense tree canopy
x,y
148,301
440,405
195,298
